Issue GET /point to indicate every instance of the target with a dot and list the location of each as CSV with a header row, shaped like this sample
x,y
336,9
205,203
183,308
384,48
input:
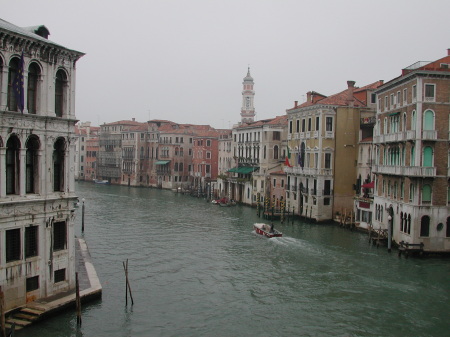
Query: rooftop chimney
x,y
308,96
132,119
296,104
351,87
351,84
448,52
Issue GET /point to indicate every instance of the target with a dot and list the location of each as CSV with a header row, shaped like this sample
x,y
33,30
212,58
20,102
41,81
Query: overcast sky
x,y
185,60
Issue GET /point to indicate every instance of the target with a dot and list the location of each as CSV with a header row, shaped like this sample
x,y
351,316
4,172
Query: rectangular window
x,y
276,135
32,283
274,183
392,100
317,123
208,155
405,92
309,124
429,92
329,124
386,103
298,125
327,160
60,275
208,168
290,126
13,245
414,93
59,235
373,98
31,241
398,97
303,125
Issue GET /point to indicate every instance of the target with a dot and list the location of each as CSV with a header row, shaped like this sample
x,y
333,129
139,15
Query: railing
x,y
308,171
415,171
429,135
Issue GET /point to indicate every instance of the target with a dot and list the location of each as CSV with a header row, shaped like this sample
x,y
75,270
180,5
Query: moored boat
x,y
97,181
266,230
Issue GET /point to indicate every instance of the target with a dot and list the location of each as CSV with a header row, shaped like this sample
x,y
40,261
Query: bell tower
x,y
248,95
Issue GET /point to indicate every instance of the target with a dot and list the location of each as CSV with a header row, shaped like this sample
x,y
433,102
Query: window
x,y
208,155
59,235
373,98
208,143
386,103
297,125
13,245
31,241
414,93
309,124
399,97
274,183
60,92
58,165
428,156
425,226
60,275
329,124
32,283
327,160
275,152
428,120
405,92
12,165
426,193
32,90
392,100
317,123
290,126
13,73
429,92
303,125
276,135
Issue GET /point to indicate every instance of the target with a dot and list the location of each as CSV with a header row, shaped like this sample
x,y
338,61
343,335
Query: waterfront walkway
x,y
90,289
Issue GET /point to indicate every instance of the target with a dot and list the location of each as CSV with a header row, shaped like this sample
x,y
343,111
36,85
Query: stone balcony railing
x,y
413,171
308,171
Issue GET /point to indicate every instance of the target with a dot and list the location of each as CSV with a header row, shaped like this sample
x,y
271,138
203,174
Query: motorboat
x,y
97,181
265,230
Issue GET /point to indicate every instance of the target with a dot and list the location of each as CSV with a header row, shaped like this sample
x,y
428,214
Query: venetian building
x,y
411,139
37,149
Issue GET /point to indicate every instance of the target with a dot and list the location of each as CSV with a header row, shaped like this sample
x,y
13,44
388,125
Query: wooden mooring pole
x,y
127,284
78,300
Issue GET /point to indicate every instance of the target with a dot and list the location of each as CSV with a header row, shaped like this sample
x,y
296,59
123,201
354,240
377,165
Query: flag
x,y
18,85
286,162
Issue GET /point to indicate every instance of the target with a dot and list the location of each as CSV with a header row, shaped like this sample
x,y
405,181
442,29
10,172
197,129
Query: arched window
x,y
175,167
32,91
428,120
60,92
31,165
275,152
176,151
428,156
401,222
409,224
13,71
426,193
181,152
12,165
58,165
425,226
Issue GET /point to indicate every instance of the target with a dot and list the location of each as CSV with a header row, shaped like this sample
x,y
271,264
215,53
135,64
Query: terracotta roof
x,y
123,122
373,85
283,120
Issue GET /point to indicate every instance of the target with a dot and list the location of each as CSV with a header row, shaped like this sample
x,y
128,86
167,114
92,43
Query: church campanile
x,y
248,95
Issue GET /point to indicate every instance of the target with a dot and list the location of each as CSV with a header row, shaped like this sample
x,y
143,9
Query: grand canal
x,y
197,269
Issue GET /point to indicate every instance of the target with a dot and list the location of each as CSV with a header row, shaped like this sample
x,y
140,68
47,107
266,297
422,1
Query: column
x,y
22,164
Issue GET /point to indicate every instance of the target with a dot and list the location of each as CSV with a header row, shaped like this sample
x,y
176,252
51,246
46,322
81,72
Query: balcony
x,y
429,135
412,171
308,171
294,188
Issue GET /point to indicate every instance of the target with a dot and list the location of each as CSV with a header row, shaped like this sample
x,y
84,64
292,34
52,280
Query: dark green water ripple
x,y
197,269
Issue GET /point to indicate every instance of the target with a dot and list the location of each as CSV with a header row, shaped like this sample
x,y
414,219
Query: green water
x,y
197,269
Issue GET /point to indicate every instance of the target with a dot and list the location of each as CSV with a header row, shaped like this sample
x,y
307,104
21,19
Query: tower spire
x,y
248,109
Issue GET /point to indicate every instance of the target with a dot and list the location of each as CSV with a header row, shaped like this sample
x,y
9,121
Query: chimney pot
x,y
296,103
308,96
351,84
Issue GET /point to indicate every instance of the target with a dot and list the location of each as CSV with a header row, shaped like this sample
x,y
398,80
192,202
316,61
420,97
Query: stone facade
x,y
37,149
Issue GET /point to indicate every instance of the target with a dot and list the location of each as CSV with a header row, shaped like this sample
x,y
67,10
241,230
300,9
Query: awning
x,y
247,170
243,169
369,185
162,162
394,113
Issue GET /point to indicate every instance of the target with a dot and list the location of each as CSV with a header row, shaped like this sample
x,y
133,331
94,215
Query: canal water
x,y
197,269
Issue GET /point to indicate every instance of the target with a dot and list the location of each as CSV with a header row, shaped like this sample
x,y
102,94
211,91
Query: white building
x,y
37,147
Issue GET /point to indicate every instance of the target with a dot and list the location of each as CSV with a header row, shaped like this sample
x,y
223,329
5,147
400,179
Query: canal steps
x,y
24,317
